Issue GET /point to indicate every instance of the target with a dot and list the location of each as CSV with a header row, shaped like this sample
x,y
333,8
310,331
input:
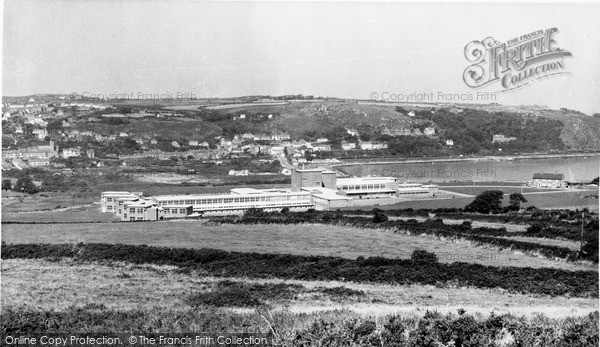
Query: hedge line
x,y
487,236
321,329
553,282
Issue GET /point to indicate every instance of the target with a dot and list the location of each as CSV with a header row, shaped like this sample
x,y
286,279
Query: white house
x,y
40,133
429,131
71,152
346,146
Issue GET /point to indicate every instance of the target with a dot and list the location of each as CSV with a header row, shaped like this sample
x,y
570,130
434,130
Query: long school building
x,y
238,201
310,188
135,207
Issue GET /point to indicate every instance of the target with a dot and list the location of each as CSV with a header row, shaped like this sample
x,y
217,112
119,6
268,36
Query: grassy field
x,y
81,214
325,240
18,202
476,224
58,286
572,199
507,189
574,245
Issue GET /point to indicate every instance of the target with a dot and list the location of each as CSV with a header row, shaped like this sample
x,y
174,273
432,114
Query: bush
x,y
379,216
421,256
6,184
486,202
342,292
254,212
24,184
234,296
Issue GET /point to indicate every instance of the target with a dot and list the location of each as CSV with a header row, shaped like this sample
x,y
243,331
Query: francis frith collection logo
x,y
516,62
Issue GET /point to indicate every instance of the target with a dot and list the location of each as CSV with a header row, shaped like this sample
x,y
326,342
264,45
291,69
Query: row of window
x,y
133,210
175,211
237,200
283,204
362,186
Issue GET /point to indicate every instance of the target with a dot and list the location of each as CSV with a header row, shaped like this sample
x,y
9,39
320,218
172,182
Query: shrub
x,y
6,184
486,202
342,292
235,296
379,216
421,256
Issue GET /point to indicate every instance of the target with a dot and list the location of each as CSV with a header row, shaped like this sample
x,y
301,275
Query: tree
x,y
24,184
595,181
54,126
6,185
486,202
515,200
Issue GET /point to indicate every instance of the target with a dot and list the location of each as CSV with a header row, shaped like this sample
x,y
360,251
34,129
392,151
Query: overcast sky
x,y
324,49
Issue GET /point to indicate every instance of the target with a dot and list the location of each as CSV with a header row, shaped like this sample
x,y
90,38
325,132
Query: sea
x,y
574,169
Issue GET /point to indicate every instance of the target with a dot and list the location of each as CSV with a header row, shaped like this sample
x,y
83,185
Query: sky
x,y
338,49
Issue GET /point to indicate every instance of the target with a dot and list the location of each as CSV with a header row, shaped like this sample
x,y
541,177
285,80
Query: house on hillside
x,y
346,146
548,180
71,152
429,131
501,138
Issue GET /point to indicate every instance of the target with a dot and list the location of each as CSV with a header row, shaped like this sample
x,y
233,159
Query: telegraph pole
x,y
581,242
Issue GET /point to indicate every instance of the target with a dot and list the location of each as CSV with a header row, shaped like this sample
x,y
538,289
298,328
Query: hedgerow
x,y
545,281
318,329
488,236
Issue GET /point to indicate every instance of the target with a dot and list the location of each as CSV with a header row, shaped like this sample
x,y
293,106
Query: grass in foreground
x,y
65,284
422,268
40,296
322,240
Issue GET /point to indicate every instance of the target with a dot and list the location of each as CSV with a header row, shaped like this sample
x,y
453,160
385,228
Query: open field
x,y
305,239
571,199
81,214
59,285
476,224
251,104
574,245
108,298
18,202
507,189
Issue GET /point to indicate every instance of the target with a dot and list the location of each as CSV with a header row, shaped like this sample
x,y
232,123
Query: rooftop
x,y
548,176
325,193
237,192
362,180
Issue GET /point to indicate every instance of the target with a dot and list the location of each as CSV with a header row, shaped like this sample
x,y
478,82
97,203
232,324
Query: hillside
x,y
409,130
471,127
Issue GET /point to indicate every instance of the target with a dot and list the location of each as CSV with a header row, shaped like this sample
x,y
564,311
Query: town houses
x,y
107,133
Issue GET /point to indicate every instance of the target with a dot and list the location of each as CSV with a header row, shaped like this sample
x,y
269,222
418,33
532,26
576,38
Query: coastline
x,y
375,161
